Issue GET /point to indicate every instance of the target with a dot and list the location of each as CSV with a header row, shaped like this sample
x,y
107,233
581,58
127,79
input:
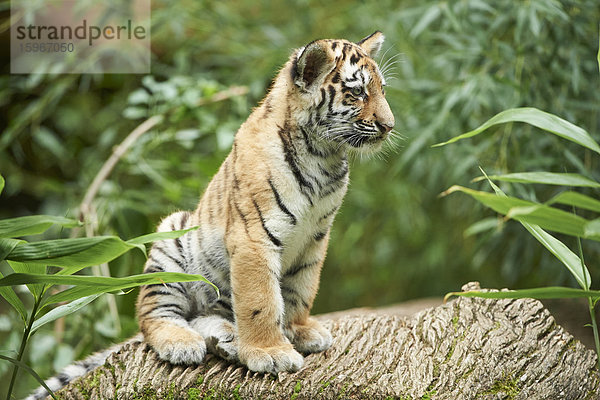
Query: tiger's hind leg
x,y
219,334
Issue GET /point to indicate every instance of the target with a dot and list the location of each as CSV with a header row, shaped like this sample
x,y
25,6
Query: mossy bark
x,y
467,349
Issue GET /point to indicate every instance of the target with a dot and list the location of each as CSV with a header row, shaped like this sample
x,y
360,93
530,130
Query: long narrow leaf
x,y
90,285
550,292
533,213
563,253
7,246
569,259
152,237
11,297
543,120
1,184
548,178
32,225
78,252
28,268
27,368
63,310
577,200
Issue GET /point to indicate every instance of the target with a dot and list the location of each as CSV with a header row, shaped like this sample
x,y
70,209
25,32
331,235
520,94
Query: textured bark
x,y
466,349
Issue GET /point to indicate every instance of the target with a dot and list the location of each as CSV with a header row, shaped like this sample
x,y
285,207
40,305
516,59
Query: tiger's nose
x,y
384,127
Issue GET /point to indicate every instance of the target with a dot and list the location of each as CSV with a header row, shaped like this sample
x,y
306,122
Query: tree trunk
x,y
468,348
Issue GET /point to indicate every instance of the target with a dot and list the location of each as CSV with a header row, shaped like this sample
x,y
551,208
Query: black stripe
x,y
310,146
184,220
299,267
280,203
158,248
289,153
169,307
275,241
154,267
329,213
153,293
319,236
180,288
323,97
331,98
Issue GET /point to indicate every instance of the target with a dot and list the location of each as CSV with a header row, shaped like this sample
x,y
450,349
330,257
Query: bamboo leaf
x,y
36,289
563,253
576,199
78,252
32,225
11,297
543,120
152,237
550,292
548,178
546,217
63,310
7,246
27,368
570,260
1,184
89,285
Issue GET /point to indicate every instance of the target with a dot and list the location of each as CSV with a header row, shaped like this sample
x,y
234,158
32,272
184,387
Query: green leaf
x,y
97,284
576,199
27,368
1,183
11,297
63,310
30,268
32,225
78,252
570,260
152,237
543,120
563,253
548,178
7,246
550,292
533,213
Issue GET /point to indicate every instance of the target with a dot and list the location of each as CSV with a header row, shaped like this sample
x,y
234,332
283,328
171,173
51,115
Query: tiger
x,y
264,220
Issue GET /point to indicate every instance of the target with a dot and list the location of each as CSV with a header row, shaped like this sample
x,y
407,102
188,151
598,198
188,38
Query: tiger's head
x,y
343,90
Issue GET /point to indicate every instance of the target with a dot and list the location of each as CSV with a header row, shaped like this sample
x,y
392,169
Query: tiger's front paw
x,y
271,359
310,337
187,350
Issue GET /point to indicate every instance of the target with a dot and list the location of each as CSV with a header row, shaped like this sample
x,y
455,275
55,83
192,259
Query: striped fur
x,y
265,217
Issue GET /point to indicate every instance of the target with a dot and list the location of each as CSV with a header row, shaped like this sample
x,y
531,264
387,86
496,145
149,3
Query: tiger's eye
x,y
358,91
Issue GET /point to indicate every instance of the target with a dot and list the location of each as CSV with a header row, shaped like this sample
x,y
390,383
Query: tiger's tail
x,y
77,369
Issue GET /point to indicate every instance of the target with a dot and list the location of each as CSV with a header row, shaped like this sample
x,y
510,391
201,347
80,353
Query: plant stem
x,y
23,344
595,329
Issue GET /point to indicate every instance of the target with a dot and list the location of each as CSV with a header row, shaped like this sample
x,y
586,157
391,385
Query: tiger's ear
x,y
372,43
312,64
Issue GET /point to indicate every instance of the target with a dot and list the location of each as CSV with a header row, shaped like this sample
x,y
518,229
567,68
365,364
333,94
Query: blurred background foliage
x,y
457,63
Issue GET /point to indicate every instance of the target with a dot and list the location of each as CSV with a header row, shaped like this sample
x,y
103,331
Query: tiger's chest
x,y
313,199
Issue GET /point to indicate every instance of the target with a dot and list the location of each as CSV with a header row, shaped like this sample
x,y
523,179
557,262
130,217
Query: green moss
x,y
236,392
507,385
428,395
297,390
324,384
200,379
193,394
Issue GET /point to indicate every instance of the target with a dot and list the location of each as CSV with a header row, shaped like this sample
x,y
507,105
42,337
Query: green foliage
x,y
454,64
536,217
28,262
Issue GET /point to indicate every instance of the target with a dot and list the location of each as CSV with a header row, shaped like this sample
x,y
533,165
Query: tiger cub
x,y
265,217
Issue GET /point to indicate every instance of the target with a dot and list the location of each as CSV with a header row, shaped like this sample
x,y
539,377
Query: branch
x,y
466,349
